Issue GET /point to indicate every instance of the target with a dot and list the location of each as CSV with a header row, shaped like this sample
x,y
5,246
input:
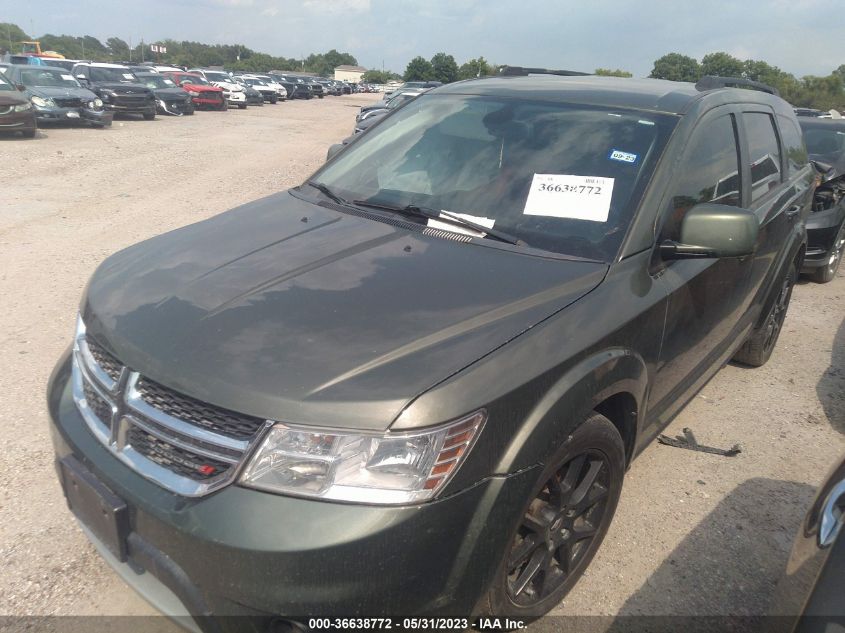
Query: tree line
x,y
823,92
184,53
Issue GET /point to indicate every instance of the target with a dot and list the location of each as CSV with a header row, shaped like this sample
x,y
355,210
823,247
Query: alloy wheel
x,y
837,251
778,312
559,529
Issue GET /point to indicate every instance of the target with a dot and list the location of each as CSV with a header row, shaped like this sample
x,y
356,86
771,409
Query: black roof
x,y
659,95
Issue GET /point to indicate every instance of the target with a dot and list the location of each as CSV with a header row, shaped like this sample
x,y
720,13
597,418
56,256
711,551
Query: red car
x,y
203,94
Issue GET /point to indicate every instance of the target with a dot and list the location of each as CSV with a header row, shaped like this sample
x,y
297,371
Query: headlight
x,y
43,103
194,94
391,468
98,103
22,107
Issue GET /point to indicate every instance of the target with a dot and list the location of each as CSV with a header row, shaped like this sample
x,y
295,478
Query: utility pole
x,y
130,48
142,50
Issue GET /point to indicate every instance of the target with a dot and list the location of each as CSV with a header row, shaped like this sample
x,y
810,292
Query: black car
x,y
170,98
825,140
809,596
58,97
297,87
16,112
253,96
118,88
385,107
412,385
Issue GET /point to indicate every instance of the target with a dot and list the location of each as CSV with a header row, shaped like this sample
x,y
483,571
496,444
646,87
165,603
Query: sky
x,y
800,36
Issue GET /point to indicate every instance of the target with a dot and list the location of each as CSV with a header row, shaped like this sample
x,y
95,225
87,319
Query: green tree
x,y
118,48
676,67
379,76
11,35
445,68
606,72
475,68
419,69
721,65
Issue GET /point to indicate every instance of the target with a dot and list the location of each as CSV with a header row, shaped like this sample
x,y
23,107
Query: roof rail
x,y
519,71
711,82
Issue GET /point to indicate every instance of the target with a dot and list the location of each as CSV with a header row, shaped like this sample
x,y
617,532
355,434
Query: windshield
x,y
562,177
52,78
398,100
254,82
157,81
123,75
4,84
824,140
218,77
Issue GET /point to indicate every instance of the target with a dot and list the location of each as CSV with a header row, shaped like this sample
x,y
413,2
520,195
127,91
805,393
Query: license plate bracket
x,y
102,511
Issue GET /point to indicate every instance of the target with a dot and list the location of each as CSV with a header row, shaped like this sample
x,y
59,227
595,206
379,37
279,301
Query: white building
x,y
352,74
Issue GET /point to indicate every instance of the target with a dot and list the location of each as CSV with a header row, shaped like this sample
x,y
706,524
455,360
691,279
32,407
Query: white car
x,y
232,91
269,81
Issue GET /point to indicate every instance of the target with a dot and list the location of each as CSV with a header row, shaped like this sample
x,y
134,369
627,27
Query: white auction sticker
x,y
457,228
572,197
129,76
68,77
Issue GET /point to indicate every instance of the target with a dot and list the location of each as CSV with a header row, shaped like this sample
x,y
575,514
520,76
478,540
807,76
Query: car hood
x,y
12,97
55,91
120,87
171,94
227,85
287,310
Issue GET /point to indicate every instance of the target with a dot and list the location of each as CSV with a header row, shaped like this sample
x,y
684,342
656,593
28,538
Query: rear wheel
x,y
563,524
826,273
29,133
760,345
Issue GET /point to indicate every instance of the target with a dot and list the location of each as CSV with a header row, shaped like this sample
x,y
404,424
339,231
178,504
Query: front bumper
x,y
822,228
242,552
73,115
18,121
235,98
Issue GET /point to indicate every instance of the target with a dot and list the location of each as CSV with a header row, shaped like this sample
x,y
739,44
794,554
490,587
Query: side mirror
x,y
821,167
712,231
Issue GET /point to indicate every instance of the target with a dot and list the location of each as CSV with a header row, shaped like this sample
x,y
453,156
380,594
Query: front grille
x,y
108,363
68,102
130,101
97,404
192,411
173,458
198,445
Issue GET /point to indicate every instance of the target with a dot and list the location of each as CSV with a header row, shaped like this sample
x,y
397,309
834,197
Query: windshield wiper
x,y
331,195
444,216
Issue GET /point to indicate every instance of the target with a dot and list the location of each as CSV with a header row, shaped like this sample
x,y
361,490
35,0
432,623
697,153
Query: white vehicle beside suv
x,y
233,92
267,80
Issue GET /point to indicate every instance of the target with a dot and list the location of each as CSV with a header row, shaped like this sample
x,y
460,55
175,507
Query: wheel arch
x,y
612,382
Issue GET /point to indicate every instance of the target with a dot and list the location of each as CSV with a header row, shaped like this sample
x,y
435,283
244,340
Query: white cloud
x,y
335,7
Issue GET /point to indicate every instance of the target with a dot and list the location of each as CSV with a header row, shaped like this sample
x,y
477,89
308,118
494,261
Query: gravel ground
x,y
695,534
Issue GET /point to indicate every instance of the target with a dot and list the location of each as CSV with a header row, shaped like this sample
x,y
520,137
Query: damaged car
x,y
118,88
825,140
170,98
57,97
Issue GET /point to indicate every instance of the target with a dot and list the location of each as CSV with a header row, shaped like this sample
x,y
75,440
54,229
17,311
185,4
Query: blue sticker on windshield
x,y
623,157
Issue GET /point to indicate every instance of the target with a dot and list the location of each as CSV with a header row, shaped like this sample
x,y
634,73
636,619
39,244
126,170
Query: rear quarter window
x,y
793,145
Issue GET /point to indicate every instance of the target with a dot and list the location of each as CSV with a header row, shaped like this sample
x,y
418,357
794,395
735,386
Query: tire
x,y
223,106
242,106
29,133
550,522
149,116
826,273
760,345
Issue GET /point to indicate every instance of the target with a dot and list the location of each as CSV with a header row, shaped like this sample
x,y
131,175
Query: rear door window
x,y
764,153
793,145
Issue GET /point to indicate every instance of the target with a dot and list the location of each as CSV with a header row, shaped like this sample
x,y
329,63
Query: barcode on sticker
x,y
625,157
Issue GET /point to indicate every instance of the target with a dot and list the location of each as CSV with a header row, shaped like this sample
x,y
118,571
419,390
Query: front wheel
x,y
149,116
826,273
242,106
563,523
760,345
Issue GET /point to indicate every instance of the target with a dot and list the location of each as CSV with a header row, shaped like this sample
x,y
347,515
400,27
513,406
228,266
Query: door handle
x,y
793,211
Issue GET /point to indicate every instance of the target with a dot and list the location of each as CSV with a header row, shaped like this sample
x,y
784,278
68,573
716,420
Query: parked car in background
x,y
57,97
825,139
16,112
253,96
232,90
297,87
430,365
117,87
268,93
412,85
67,64
281,90
397,100
317,89
809,595
202,93
170,98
